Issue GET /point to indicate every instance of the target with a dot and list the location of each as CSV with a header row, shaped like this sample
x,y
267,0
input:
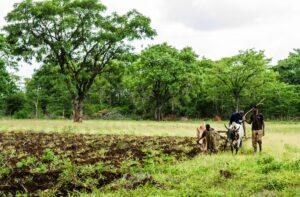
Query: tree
x,y
7,80
77,35
109,90
160,74
234,75
289,68
14,103
46,91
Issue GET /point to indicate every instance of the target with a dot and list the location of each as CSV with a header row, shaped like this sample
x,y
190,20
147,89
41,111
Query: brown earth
x,y
113,151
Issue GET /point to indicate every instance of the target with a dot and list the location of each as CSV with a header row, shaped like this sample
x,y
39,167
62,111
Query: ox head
x,y
232,131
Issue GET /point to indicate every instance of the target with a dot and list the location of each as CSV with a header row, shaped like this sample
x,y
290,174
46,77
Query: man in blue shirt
x,y
237,118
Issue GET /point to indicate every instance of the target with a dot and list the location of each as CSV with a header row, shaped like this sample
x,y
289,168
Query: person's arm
x,y
263,124
203,135
250,121
198,133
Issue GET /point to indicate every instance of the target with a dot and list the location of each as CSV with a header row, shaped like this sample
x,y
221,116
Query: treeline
x,y
85,74
164,83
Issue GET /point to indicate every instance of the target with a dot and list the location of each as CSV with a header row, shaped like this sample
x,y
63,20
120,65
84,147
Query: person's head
x,y
241,112
255,110
207,127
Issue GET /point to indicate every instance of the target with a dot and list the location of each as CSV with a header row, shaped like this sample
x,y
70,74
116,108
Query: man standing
x,y
258,128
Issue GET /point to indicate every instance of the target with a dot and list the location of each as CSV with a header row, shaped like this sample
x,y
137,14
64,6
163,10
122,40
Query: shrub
x,y
23,114
29,161
293,165
274,166
275,184
265,160
49,156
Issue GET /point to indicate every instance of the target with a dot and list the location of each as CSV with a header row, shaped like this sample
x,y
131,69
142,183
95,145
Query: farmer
x,y
258,128
209,135
236,119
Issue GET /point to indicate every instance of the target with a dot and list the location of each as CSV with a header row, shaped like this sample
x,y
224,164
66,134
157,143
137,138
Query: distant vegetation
x,y
90,71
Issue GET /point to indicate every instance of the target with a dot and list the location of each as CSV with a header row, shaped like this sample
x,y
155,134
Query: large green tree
x,y
289,68
78,35
7,80
160,74
233,76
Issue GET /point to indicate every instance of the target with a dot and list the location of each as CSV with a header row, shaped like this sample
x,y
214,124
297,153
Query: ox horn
x,y
226,127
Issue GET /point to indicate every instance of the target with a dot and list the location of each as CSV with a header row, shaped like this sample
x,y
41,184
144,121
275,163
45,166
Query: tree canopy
x,y
289,68
163,73
88,68
244,71
77,35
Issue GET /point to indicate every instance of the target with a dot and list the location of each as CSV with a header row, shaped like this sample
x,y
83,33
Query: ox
x,y
235,133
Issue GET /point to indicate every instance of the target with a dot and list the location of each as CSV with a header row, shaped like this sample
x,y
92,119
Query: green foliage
x,y
293,165
14,103
87,64
234,76
289,68
275,184
49,156
77,35
163,75
27,162
46,93
8,87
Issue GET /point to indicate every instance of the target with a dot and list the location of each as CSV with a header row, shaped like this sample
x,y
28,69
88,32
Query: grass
x,y
147,128
275,172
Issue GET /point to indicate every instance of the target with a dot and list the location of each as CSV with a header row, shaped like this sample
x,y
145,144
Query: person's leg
x,y
260,145
259,139
254,140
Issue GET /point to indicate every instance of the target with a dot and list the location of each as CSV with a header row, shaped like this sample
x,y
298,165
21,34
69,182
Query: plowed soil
x,y
113,151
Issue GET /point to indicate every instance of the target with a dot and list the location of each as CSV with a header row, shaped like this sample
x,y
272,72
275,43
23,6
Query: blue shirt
x,y
237,118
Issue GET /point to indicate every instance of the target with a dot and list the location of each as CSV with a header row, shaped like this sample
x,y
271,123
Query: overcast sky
x,y
214,28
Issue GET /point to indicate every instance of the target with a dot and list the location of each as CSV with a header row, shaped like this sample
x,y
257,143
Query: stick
x,y
244,117
258,104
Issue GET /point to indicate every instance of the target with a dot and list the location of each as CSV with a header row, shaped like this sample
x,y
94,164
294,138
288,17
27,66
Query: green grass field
x,y
275,172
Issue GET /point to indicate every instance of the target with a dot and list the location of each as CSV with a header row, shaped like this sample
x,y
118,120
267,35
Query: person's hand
x,y
244,118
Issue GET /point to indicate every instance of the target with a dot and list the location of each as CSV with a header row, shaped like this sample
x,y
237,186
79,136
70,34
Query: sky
x,y
213,28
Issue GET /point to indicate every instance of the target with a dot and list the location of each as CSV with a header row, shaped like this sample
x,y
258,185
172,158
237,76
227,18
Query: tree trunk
x,y
36,104
158,113
77,110
237,101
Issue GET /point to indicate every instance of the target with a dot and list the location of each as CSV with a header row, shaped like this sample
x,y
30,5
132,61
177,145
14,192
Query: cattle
x,y
235,133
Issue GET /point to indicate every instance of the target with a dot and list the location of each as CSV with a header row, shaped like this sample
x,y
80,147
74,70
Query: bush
x,y
275,184
109,115
267,164
265,160
274,166
23,114
293,165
